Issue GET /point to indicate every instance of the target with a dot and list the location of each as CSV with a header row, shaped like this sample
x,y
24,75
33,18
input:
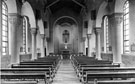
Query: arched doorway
x,y
65,35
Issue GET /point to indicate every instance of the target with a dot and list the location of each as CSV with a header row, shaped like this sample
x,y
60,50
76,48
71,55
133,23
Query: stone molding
x,y
89,36
33,30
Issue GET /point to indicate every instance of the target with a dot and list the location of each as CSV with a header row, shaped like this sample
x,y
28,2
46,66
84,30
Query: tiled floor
x,y
66,74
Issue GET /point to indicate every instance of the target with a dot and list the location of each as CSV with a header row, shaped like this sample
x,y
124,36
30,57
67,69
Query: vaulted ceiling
x,y
74,5
56,5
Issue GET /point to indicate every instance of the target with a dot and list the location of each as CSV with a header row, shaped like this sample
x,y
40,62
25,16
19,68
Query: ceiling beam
x,y
78,3
49,10
83,11
53,3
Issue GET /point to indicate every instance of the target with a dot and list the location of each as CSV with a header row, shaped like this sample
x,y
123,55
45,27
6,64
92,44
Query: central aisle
x,y
66,74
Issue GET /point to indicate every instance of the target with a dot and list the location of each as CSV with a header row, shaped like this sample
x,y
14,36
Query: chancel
x,y
65,38
67,41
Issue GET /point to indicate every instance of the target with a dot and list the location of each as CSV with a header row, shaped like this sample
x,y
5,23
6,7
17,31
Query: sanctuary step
x,y
66,74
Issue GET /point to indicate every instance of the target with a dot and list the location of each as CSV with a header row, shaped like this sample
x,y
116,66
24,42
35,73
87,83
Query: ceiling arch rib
x,y
73,5
28,11
65,19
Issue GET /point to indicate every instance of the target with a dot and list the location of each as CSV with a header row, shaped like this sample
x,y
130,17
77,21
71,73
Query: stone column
x,y
0,30
47,53
14,37
98,46
33,32
88,37
42,45
116,36
84,49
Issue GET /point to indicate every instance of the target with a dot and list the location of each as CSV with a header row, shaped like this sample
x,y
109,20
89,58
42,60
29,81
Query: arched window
x,y
126,27
4,29
106,37
25,27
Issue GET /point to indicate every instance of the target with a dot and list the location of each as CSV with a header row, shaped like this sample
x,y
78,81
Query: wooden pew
x,y
18,82
31,66
40,63
114,82
96,63
47,71
118,69
99,65
24,76
85,70
25,70
88,61
48,61
101,70
51,68
35,70
87,67
91,76
36,65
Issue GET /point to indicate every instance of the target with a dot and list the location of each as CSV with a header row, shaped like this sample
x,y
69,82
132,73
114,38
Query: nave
x,y
76,70
58,41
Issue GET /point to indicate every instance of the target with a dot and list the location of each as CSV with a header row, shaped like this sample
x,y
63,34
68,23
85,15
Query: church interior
x,y
67,41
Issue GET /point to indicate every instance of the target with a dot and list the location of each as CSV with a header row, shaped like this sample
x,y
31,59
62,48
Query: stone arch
x,y
12,6
40,26
59,26
119,6
65,17
66,36
28,11
101,12
26,18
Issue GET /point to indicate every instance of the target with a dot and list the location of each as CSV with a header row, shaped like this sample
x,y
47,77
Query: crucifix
x,y
65,37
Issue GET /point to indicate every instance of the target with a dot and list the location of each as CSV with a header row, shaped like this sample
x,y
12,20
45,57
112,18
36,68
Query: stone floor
x,y
66,74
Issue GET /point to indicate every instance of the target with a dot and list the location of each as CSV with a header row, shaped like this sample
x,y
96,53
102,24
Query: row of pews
x,y
93,71
41,70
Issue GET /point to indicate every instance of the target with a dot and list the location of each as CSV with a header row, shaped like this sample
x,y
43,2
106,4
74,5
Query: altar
x,y
66,54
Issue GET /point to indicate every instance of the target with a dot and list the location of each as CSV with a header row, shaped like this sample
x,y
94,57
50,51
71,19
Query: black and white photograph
x,y
67,41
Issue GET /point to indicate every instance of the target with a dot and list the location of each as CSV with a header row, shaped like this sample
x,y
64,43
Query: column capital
x,y
14,18
89,36
116,18
116,15
14,15
33,30
97,30
42,36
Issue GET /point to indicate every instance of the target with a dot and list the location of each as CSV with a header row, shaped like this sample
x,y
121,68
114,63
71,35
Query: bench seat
x,y
115,82
107,75
18,82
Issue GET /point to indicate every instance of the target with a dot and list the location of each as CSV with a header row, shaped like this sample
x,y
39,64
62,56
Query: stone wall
x,y
25,57
127,60
5,61
107,56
